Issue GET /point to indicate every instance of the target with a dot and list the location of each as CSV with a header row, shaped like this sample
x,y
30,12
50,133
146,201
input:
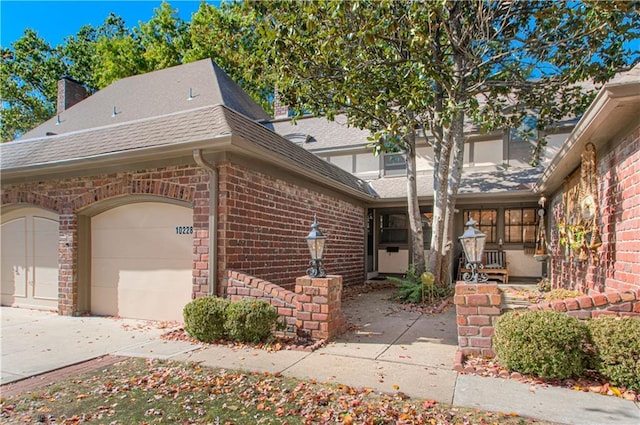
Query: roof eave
x,y
595,126
144,154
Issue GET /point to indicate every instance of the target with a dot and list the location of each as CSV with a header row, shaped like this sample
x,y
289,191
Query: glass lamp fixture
x,y
473,242
315,242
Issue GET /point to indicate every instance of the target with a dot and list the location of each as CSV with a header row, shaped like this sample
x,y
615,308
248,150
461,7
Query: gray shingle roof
x,y
473,183
172,131
326,134
275,143
154,94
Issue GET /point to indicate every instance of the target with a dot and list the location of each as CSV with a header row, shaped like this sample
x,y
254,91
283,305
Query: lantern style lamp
x,y
315,241
473,242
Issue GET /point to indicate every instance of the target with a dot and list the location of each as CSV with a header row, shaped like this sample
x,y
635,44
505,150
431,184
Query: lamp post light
x,y
315,241
473,242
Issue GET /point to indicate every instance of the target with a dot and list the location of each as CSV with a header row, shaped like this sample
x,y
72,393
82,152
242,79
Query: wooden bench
x,y
494,262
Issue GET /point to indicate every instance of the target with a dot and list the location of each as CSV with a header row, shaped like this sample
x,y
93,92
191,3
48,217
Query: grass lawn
x,y
138,391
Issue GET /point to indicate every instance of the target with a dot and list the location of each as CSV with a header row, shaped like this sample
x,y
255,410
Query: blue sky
x,y
54,20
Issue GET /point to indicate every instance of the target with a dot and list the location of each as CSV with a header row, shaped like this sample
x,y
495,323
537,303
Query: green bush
x,y
204,318
548,344
617,344
251,320
419,289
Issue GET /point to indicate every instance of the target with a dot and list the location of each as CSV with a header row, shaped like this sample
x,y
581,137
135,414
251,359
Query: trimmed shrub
x,y
251,320
617,344
204,318
548,344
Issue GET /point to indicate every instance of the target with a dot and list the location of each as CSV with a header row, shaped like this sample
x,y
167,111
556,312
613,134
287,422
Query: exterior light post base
x,y
475,275
316,269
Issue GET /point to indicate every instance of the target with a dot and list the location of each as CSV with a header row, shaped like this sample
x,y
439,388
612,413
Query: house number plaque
x,y
184,230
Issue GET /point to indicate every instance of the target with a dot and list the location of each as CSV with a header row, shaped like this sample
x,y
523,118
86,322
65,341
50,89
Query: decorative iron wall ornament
x,y
589,200
579,232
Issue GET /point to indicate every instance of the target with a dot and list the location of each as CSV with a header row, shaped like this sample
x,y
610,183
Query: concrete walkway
x,y
34,342
388,350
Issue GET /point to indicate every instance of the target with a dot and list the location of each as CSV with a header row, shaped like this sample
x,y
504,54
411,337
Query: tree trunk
x,y
415,218
456,135
439,238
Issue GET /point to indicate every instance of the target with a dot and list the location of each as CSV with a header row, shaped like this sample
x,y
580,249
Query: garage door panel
x,y
141,266
14,260
45,259
104,300
164,243
105,273
161,299
30,258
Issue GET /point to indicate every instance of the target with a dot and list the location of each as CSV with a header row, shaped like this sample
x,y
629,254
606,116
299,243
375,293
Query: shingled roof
x,y
154,94
516,180
213,128
324,134
159,124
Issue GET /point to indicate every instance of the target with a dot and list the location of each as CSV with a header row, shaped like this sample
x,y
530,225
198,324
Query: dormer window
x,y
300,138
394,164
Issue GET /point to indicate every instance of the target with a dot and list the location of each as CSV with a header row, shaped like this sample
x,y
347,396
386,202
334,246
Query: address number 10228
x,y
184,230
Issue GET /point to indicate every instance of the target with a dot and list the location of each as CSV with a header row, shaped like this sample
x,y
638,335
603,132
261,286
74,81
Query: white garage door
x,y
141,261
30,258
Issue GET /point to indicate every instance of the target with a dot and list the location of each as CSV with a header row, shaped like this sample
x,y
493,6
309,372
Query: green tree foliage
x,y
157,44
400,66
31,68
227,35
29,77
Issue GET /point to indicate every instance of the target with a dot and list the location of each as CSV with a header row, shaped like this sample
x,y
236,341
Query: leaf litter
x,y
157,391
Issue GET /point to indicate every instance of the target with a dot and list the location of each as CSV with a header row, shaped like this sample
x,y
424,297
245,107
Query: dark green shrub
x,y
419,289
548,344
204,318
617,344
251,320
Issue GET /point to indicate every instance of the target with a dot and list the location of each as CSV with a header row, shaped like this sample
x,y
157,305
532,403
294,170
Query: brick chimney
x,y
70,92
279,110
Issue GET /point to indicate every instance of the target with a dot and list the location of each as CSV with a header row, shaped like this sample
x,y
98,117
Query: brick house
x,y
175,184
496,189
593,187
140,197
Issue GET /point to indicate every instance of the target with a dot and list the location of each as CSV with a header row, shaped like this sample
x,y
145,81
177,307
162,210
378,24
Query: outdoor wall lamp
x,y
315,241
473,242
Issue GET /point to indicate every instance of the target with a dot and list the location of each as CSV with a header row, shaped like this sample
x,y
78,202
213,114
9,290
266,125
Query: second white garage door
x,y
141,261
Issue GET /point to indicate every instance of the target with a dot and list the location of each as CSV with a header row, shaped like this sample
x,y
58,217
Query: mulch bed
x,y
279,342
591,382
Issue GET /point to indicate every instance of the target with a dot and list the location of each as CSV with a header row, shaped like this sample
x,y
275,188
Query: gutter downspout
x,y
212,170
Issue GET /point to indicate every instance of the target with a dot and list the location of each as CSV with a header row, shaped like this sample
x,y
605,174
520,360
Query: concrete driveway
x,y
33,342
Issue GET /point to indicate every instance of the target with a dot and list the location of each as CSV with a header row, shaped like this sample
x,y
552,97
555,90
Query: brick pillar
x,y
320,306
67,267
477,309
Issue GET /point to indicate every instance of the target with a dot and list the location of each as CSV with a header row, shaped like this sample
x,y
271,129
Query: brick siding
x,y
262,221
265,221
618,265
71,196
